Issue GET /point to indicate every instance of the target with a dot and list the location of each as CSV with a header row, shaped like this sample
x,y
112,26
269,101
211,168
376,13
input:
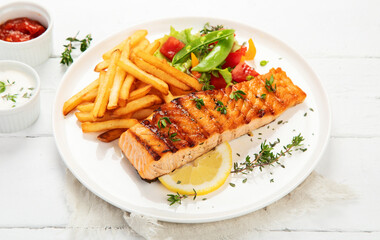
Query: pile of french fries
x,y
132,83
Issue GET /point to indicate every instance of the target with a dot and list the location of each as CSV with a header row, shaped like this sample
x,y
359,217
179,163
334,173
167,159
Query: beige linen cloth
x,y
93,218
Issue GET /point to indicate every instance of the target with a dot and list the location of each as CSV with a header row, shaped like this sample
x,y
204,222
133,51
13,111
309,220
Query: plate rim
x,y
284,191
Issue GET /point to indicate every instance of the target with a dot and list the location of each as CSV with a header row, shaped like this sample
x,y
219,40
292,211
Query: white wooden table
x,y
341,41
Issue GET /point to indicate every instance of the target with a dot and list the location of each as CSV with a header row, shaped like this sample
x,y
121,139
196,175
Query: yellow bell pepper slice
x,y
194,60
251,53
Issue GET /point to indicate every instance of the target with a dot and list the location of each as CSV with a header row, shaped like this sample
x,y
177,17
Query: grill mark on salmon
x,y
155,131
147,146
164,132
197,128
153,154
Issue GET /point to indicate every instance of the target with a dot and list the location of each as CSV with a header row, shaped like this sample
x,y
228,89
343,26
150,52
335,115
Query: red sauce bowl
x,y
36,50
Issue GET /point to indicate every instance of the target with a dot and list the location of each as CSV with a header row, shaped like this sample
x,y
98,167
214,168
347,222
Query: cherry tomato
x,y
171,47
196,74
242,71
233,58
218,82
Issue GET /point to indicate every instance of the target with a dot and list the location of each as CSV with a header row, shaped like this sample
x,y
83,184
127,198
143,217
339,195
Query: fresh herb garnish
x,y
207,28
267,157
263,96
66,57
237,95
220,107
269,86
3,85
177,198
249,77
205,80
10,97
172,136
198,102
232,184
263,63
162,122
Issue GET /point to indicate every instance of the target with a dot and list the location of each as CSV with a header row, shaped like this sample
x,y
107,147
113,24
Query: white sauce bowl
x,y
34,51
23,115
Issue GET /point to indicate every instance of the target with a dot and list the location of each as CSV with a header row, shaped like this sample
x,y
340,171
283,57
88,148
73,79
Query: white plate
x,y
103,169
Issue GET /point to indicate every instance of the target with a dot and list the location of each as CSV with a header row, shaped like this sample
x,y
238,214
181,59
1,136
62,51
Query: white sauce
x,y
19,88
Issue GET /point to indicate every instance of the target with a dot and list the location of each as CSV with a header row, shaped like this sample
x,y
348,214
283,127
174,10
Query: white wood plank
x,y
49,233
31,183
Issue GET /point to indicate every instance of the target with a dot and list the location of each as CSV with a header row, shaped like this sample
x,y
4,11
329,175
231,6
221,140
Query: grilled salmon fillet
x,y
155,150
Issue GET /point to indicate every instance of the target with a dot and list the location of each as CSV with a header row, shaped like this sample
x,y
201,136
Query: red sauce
x,y
20,30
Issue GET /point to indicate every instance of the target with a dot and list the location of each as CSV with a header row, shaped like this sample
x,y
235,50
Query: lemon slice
x,y
205,174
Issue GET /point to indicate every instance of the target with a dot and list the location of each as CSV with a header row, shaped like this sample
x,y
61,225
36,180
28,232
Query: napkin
x,y
93,218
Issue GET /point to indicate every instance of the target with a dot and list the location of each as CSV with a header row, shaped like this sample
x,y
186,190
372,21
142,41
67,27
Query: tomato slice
x,y
242,71
171,47
234,58
218,82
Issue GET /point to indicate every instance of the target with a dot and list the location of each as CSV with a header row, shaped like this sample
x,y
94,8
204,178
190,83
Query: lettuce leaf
x,y
185,35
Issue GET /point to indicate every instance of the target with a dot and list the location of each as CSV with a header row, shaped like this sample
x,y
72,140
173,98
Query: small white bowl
x,y
23,115
34,51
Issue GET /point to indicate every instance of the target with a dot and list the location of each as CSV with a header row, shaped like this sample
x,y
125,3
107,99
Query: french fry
x,y
133,106
90,96
108,125
85,107
102,66
147,67
78,98
135,38
178,92
125,90
111,135
139,93
142,114
152,48
115,91
141,46
183,77
104,89
126,50
168,98
87,117
132,69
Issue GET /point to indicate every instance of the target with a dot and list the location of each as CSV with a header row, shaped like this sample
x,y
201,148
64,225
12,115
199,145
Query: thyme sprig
x,y
269,84
237,95
220,107
162,122
207,28
198,102
10,97
266,156
66,57
177,198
